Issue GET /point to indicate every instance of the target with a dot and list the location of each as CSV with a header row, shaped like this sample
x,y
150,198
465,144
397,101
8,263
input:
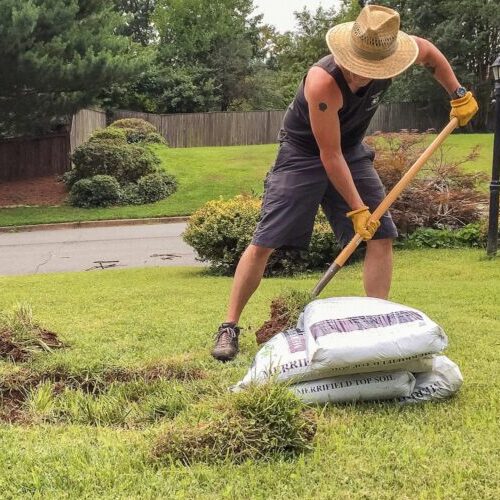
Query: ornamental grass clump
x,y
443,196
261,423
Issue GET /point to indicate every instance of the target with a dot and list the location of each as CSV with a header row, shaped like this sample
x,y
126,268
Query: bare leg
x,y
377,272
247,279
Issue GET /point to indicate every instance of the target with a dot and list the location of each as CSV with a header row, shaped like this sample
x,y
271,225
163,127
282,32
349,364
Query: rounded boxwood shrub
x,y
156,186
126,162
130,195
220,231
97,191
155,138
115,135
134,123
70,177
137,130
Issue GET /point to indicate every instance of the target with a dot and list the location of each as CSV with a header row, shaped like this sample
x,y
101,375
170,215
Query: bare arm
x,y
433,59
325,99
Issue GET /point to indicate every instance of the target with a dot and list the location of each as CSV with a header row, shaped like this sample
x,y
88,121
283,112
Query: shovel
x,y
384,206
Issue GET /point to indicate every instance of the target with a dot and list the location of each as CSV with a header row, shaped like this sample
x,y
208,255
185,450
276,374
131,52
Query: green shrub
x,y
97,191
220,231
471,235
115,135
130,195
134,124
155,138
125,162
156,186
137,130
70,177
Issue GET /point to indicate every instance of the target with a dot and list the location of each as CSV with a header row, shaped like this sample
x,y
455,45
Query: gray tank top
x,y
355,115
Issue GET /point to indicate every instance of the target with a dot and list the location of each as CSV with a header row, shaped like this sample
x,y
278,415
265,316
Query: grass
x,y
207,173
131,318
203,174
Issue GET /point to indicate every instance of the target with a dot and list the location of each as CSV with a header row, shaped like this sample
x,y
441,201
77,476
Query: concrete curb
x,y
93,223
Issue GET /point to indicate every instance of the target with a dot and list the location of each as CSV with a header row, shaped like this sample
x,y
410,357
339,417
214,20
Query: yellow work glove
x,y
463,108
365,228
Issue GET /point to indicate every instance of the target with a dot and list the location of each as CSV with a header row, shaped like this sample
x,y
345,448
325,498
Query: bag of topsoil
x,y
284,358
346,332
444,380
361,387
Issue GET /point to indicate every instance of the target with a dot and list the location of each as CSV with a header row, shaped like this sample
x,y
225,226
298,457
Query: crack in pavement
x,y
51,254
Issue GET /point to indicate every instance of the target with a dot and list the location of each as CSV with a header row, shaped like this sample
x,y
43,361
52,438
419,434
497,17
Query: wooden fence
x,y
394,117
83,124
24,158
262,127
29,157
213,129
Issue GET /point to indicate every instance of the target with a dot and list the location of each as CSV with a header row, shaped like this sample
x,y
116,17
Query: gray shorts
x,y
297,185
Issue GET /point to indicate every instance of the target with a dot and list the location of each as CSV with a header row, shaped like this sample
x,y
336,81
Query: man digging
x,y
322,160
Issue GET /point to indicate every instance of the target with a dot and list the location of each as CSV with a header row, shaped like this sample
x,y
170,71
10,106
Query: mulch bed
x,y
48,191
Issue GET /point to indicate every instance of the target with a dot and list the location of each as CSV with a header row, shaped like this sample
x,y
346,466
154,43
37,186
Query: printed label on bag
x,y
352,324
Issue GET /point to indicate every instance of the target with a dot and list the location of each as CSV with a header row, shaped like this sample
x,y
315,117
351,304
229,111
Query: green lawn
x,y
457,146
207,173
383,451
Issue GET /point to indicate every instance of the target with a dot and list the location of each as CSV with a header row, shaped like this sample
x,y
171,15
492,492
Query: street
x,y
94,249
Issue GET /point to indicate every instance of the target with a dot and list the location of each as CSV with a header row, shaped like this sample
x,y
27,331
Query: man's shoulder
x,y
319,82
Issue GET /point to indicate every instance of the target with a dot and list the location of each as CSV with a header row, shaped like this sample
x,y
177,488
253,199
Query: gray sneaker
x,y
226,342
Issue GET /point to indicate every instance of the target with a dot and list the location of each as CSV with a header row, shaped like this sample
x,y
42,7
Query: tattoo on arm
x,y
430,67
323,106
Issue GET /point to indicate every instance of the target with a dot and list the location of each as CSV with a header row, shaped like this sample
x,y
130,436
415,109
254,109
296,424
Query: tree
x,y
211,44
139,25
467,32
56,57
295,51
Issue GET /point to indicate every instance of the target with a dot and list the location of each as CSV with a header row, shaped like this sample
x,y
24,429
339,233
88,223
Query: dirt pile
x,y
285,311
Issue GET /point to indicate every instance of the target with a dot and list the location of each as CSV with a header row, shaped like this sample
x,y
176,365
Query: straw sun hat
x,y
372,46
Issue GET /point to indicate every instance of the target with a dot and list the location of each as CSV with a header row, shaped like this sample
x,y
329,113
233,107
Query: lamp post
x,y
492,246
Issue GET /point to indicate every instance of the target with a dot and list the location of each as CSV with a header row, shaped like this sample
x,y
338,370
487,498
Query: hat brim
x,y
338,39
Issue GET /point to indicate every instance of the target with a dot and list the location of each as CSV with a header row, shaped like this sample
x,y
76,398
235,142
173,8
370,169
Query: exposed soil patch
x,y
47,190
285,311
11,406
279,321
19,350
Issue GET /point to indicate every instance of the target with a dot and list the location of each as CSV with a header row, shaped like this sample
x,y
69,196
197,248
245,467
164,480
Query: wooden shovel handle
x,y
398,189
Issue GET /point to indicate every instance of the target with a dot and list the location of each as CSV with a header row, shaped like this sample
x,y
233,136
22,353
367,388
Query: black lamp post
x,y
492,246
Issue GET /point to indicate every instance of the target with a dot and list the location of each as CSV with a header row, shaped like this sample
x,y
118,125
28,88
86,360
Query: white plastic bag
x,y
361,387
346,332
284,358
442,382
